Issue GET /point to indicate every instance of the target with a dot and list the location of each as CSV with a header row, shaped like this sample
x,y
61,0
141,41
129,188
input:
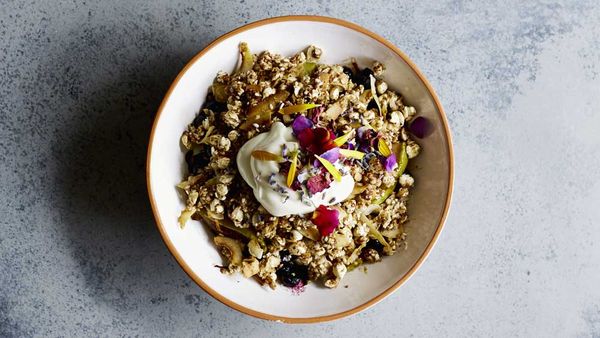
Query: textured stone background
x,y
81,81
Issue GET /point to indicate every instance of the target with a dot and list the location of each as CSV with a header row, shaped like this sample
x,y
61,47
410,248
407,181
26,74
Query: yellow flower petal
x,y
383,148
329,166
266,156
352,153
342,139
292,172
297,108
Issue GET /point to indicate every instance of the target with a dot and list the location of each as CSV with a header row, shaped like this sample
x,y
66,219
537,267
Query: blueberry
x,y
285,256
210,104
364,78
197,160
291,274
375,244
199,119
348,71
217,107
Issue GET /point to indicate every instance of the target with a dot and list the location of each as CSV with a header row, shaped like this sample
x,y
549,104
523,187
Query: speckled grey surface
x,y
81,81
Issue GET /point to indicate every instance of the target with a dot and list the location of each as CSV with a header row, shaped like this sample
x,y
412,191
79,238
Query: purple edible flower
x,y
300,123
360,132
390,163
330,155
420,127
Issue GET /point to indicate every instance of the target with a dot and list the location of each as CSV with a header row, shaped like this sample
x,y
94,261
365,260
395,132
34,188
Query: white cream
x,y
270,187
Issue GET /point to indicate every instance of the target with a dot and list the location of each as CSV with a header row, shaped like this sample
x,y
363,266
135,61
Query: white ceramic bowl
x,y
192,246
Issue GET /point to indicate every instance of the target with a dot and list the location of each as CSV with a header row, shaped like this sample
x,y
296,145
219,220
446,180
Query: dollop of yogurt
x,y
270,187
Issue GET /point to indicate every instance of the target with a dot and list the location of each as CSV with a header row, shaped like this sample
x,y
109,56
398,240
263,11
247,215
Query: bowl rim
x,y
385,293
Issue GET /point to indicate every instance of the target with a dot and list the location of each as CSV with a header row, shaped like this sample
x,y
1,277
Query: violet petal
x,y
300,123
330,155
390,163
420,127
360,132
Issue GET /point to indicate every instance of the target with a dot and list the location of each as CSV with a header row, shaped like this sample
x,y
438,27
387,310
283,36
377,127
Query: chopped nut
x,y
233,135
255,249
224,144
334,93
237,215
339,270
378,68
409,112
412,149
221,190
250,267
297,248
406,180
332,283
397,118
381,87
296,235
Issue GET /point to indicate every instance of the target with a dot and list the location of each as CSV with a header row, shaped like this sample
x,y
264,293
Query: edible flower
x,y
326,220
352,154
330,168
317,184
292,171
300,124
297,108
420,127
330,155
266,156
366,139
316,113
383,147
316,140
342,139
390,163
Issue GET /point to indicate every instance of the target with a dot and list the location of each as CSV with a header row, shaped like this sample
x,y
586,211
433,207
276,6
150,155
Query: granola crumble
x,y
347,101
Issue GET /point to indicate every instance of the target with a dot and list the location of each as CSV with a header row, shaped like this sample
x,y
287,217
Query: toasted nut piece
x,y
250,267
255,249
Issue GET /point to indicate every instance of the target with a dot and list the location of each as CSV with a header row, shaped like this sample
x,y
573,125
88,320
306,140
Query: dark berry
x,y
375,244
217,107
199,119
291,274
363,77
372,105
198,159
348,71
285,256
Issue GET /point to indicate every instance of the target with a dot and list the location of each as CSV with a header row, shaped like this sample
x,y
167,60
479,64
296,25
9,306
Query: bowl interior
x,y
193,245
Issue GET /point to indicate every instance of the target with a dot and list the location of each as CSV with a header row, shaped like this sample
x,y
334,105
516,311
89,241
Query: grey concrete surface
x,y
81,81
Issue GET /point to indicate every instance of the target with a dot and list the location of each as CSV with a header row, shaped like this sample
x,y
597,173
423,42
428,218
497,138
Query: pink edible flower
x,y
316,140
326,220
317,183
